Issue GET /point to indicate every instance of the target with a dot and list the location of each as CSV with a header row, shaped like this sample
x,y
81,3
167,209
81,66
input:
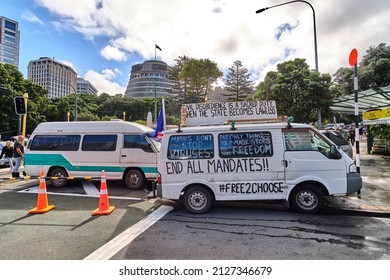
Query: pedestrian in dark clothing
x,y
8,153
352,136
18,155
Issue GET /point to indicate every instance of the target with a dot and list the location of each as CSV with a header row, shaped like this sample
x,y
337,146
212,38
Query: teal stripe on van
x,y
59,160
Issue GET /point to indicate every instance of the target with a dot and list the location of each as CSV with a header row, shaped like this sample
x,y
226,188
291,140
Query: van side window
x,y
299,141
197,146
137,142
245,144
99,143
55,143
306,140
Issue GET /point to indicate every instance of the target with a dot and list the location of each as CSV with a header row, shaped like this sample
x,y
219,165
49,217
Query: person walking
x,y
8,153
18,155
352,135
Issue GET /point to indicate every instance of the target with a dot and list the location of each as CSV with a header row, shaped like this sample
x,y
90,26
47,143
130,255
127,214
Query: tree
x,y
237,83
375,67
298,92
200,75
373,71
180,88
136,109
13,84
344,79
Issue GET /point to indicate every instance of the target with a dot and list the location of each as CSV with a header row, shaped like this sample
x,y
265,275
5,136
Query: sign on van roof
x,y
222,112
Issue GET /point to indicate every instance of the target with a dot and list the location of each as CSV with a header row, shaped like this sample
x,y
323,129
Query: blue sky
x,y
102,39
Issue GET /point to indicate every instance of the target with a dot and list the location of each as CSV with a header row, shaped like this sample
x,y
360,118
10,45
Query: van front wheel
x,y
134,179
59,173
197,200
307,199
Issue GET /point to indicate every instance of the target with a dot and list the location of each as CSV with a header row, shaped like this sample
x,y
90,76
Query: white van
x,y
83,149
276,161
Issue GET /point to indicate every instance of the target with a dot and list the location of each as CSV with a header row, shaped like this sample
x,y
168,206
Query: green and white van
x,y
83,149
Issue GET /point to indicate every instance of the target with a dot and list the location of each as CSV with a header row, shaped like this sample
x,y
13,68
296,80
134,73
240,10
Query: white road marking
x,y
90,188
115,245
35,190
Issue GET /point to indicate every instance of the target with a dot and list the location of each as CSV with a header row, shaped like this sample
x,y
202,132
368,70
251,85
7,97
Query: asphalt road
x,y
263,232
68,232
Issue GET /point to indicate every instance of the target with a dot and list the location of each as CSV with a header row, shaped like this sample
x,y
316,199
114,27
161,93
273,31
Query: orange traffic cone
x,y
104,207
42,204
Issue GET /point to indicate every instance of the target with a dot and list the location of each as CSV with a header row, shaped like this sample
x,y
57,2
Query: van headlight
x,y
352,168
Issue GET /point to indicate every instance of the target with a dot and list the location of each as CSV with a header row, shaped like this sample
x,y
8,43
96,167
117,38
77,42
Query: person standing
x,y
18,155
352,135
8,153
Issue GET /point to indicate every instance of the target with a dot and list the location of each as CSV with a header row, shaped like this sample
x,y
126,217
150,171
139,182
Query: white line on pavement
x,y
35,190
90,188
115,245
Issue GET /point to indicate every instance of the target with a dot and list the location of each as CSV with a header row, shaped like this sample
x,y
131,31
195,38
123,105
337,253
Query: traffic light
x,y
20,105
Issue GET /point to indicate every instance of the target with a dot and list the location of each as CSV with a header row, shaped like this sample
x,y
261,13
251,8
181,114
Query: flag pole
x,y
163,107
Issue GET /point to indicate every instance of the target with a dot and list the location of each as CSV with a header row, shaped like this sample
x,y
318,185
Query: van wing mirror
x,y
335,153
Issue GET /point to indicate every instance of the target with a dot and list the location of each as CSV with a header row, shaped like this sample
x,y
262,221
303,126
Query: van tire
x,y
308,199
58,172
197,200
134,179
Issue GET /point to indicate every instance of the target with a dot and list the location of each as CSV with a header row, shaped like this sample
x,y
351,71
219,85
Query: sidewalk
x,y
6,183
375,194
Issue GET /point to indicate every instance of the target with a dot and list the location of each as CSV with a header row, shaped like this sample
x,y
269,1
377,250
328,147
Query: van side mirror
x,y
334,153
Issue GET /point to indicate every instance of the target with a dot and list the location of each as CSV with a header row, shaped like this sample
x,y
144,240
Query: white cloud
x,y
105,81
30,16
112,53
225,31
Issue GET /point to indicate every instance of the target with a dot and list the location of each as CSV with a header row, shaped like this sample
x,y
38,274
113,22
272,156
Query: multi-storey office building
x,y
85,87
9,41
58,78
149,79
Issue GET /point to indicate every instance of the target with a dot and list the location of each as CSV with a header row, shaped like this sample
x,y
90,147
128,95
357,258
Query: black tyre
x,y
135,179
58,172
197,200
307,199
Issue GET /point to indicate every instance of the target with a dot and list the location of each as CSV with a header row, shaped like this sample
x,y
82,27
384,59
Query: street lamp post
x,y
75,102
155,99
155,103
315,40
75,96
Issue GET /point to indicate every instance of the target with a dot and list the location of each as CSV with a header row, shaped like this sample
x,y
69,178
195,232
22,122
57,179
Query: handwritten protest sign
x,y
222,112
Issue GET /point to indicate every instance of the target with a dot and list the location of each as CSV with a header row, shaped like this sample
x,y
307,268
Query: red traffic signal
x,y
20,105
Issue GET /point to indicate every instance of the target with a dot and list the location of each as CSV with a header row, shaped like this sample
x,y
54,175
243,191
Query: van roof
x,y
239,127
91,127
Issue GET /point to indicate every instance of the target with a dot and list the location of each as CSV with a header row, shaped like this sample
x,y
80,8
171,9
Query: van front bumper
x,y
354,183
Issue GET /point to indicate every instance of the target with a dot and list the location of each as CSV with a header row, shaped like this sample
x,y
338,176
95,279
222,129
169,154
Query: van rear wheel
x,y
307,199
134,179
58,172
197,200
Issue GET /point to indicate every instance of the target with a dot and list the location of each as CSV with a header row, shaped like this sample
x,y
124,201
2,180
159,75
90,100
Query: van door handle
x,y
284,163
123,156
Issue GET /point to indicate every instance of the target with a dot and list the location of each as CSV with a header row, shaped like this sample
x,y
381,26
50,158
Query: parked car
x,y
337,137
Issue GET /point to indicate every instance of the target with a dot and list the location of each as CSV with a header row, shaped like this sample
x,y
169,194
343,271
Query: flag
x,y
160,128
157,47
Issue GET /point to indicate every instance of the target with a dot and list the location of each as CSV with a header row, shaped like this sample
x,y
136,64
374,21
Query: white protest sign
x,y
222,112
